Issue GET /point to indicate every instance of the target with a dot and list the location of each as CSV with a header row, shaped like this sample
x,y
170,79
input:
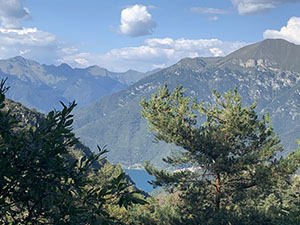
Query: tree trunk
x,y
218,190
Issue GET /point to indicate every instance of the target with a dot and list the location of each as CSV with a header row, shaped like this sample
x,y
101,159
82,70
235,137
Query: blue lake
x,y
141,178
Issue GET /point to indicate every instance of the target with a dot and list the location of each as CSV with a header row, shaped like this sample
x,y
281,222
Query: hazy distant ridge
x,y
43,86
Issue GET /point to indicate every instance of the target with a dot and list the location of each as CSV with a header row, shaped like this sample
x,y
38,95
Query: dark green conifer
x,y
225,161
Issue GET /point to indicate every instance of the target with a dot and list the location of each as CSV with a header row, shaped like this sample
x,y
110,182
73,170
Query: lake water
x,y
141,178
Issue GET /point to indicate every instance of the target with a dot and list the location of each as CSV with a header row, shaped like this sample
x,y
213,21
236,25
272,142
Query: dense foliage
x,y
41,182
227,170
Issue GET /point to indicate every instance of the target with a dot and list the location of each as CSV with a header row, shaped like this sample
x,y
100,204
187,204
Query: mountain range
x,y
43,86
109,112
267,71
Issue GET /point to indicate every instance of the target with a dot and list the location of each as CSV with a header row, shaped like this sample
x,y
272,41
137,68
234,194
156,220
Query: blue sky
x,y
141,35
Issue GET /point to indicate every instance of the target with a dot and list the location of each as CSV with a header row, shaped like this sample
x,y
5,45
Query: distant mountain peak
x,y
18,58
23,61
275,41
65,66
275,53
131,71
98,71
264,48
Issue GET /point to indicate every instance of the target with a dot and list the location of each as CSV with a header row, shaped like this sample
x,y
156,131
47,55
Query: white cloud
x,y
136,21
44,47
12,12
25,37
28,42
216,51
245,7
290,32
213,18
213,12
203,10
154,53
33,44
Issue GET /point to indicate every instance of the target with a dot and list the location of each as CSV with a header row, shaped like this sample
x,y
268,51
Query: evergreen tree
x,y
42,183
223,162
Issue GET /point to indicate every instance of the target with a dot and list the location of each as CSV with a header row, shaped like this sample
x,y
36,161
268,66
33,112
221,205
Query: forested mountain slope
x,y
28,117
267,71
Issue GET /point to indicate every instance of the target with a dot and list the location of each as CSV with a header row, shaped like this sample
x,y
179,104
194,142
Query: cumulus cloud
x,y
44,47
32,43
156,52
12,12
245,7
290,32
136,21
203,10
28,42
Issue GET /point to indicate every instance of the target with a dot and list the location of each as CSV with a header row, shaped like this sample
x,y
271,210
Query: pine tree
x,y
229,158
